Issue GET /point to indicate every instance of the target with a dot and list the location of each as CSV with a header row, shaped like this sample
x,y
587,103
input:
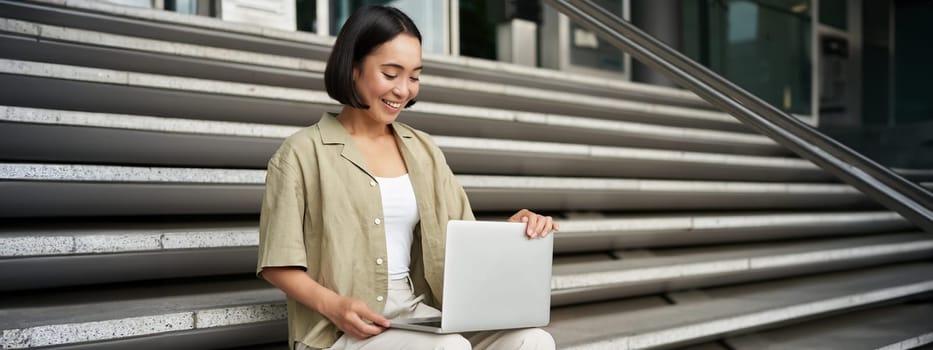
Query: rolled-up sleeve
x,y
281,224
458,203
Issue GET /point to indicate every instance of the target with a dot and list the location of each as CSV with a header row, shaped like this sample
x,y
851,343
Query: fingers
x,y
520,216
363,314
531,229
360,329
545,225
536,225
354,317
376,318
548,226
368,330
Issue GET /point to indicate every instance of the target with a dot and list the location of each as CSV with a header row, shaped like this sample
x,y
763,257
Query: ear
x,y
356,73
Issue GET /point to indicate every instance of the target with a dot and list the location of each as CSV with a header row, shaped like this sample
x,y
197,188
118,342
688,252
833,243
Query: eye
x,y
389,76
415,79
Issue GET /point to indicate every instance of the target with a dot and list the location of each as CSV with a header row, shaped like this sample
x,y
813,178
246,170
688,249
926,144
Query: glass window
x,y
429,15
762,46
182,6
834,13
478,20
306,15
137,3
590,51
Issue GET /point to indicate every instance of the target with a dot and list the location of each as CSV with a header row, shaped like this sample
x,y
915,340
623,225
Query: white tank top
x,y
401,215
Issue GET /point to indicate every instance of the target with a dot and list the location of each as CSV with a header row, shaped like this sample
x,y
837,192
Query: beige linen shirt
x,y
322,211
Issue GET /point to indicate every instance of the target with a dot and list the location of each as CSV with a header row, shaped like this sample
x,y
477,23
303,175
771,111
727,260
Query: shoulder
x,y
297,148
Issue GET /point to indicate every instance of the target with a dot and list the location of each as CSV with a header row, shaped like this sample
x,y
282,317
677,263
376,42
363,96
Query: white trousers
x,y
402,303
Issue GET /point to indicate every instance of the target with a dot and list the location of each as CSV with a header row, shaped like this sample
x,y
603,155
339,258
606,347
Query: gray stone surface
x,y
893,327
713,263
135,122
103,173
60,334
321,99
25,243
58,71
920,340
468,114
29,245
233,299
210,239
586,234
149,45
683,116
98,173
150,190
51,32
466,155
469,63
43,242
584,184
616,153
734,309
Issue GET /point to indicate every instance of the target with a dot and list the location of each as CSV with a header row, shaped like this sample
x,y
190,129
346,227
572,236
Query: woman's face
x,y
388,77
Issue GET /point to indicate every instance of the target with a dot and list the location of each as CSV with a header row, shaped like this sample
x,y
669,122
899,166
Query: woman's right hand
x,y
351,316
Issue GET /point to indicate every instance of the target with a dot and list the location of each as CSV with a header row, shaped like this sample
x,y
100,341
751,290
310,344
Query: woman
x,y
356,206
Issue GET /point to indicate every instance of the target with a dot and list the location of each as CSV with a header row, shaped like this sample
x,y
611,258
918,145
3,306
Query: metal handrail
x,y
877,182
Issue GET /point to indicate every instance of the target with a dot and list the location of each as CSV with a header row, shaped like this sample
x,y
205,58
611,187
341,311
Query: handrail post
x,y
908,199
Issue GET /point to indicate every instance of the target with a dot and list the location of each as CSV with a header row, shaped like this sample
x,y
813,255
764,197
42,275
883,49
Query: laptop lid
x,y
495,277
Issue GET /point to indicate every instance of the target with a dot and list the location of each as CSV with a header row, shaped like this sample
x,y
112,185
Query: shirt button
x,y
379,298
379,261
372,183
377,221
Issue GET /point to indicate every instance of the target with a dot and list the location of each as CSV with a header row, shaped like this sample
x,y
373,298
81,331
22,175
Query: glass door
x,y
567,46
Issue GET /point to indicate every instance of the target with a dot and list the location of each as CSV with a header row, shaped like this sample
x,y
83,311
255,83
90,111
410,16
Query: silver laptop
x,y
494,278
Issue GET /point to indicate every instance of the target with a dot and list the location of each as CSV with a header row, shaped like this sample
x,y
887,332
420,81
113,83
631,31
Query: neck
x,y
358,124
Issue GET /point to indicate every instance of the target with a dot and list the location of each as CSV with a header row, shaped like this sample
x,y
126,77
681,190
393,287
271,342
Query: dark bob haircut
x,y
366,29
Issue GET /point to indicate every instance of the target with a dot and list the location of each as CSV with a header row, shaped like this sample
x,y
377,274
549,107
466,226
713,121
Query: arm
x,y
282,256
348,314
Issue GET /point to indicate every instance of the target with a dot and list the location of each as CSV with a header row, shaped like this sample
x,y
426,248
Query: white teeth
x,y
392,104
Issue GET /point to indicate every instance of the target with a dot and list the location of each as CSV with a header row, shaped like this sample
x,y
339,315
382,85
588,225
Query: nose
x,y
401,89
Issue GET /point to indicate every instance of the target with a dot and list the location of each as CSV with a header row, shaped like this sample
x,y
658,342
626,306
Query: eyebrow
x,y
399,66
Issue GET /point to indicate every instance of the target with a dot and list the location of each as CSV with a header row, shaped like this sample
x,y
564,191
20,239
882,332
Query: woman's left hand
x,y
538,225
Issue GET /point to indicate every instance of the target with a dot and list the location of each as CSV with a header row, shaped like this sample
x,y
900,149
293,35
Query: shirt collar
x,y
332,132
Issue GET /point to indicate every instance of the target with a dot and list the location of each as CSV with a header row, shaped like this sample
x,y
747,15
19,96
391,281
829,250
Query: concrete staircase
x,y
133,145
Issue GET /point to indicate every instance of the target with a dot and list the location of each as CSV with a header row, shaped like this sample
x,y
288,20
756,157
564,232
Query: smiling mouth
x,y
395,105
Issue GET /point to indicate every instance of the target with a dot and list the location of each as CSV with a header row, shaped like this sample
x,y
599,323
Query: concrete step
x,y
894,327
732,310
112,91
61,136
74,253
636,231
105,51
63,129
32,189
658,271
193,30
205,312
